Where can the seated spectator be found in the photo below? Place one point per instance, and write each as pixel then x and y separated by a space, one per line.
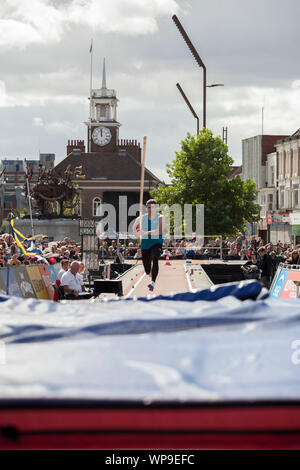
pixel 131 250
pixel 65 264
pixel 72 282
pixel 244 255
pixel 103 250
pixel 83 272
pixel 111 251
pixel 14 260
pixel 138 254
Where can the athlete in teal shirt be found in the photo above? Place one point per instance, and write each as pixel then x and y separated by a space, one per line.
pixel 151 234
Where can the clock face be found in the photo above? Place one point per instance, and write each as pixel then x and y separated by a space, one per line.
pixel 101 136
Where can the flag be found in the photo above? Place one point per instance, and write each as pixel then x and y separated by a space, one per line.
pixel 17 237
pixel 91 47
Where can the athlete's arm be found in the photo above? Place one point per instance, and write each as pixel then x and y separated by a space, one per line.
pixel 137 228
pixel 160 229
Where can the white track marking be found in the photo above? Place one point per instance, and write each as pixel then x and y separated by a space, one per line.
pixel 187 278
pixel 135 285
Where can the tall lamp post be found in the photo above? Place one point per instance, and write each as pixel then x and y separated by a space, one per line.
pixel 189 105
pixel 199 62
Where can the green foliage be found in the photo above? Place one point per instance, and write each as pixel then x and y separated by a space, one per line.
pixel 199 175
pixel 15 214
pixel 24 212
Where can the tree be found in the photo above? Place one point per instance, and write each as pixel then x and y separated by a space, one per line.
pixel 199 175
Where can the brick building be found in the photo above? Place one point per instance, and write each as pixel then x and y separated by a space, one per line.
pixel 12 181
pixel 111 167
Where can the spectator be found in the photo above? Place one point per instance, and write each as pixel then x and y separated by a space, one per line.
pixel 294 258
pixel 266 266
pixel 65 264
pixel 72 282
pixel 251 268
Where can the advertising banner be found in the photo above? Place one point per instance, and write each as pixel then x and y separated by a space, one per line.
pixel 47 281
pixel 37 282
pixel 289 290
pixel 279 283
pixel 53 273
pixel 24 282
pixel 13 286
pixel 284 286
pixel 2 283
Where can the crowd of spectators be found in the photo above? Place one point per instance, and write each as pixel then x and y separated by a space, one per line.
pixel 246 250
pixel 49 252
pixel 227 249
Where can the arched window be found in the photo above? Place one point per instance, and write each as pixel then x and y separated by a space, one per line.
pixel 96 206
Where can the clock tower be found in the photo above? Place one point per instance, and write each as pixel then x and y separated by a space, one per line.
pixel 103 128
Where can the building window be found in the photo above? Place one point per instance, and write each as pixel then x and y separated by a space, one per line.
pixel 296 195
pixel 287 198
pixel 272 176
pixel 96 206
pixel 281 197
pixel 270 202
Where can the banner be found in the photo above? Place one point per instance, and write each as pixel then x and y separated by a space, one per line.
pixel 24 282
pixel 2 284
pixel 13 285
pixel 47 281
pixel 53 273
pixel 37 282
pixel 284 286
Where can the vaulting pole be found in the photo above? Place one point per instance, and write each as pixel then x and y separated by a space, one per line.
pixel 142 180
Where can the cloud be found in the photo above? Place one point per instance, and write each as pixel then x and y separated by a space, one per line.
pixel 24 23
pixel 38 122
pixel 129 17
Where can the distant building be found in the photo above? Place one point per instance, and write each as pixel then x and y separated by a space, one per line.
pixel 255 151
pixel 237 171
pixel 255 156
pixel 285 224
pixel 111 167
pixel 13 179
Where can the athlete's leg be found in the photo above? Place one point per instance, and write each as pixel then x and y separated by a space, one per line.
pixel 146 258
pixel 156 252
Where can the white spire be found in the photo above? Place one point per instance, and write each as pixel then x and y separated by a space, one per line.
pixel 103 76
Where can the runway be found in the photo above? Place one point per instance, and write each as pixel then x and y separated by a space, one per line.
pixel 173 278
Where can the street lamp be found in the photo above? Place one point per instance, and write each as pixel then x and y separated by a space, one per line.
pixel 199 62
pixel 189 105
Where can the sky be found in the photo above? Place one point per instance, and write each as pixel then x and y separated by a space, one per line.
pixel 250 47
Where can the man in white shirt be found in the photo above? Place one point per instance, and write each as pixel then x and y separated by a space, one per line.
pixel 72 282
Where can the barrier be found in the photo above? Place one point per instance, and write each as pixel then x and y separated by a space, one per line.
pixel 2 284
pixel 46 280
pixel 14 288
pixel 24 282
pixel 283 286
pixel 37 282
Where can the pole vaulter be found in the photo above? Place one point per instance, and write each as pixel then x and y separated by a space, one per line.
pixel 149 230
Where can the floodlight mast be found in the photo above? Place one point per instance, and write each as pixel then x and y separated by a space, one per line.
pixel 189 105
pixel 198 60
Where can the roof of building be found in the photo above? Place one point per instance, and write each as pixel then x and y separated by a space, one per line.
pixel 294 136
pixel 237 170
pixel 106 165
